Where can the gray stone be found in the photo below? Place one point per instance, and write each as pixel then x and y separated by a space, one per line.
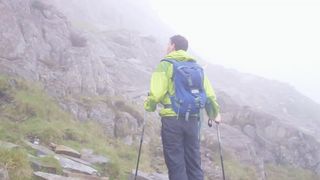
pixel 87 155
pixel 7 145
pixel 61 149
pixel 37 165
pixel 41 150
pixel 75 166
pixel 4 175
pixel 249 131
pixel 82 161
pixel 49 176
pixel 140 176
pixel 81 176
pixel 157 176
pixel 317 170
pixel 145 176
pixel 125 125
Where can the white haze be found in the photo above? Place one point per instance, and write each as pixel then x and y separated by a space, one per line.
pixel 275 39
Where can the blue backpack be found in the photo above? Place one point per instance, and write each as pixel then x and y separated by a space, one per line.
pixel 190 96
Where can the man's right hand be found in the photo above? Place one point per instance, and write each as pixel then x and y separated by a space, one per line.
pixel 216 120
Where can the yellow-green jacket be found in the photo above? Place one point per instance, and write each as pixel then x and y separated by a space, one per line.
pixel 162 87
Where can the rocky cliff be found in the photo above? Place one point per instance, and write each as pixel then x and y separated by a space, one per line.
pixel 94 58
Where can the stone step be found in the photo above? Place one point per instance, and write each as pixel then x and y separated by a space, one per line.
pixel 47 176
pixel 61 149
pixel 146 176
pixel 88 155
pixel 83 176
pixel 39 166
pixel 7 145
pixel 74 166
pixel 41 150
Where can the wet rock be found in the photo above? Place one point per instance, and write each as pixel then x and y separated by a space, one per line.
pixel 83 176
pixel 48 176
pixel 75 166
pixel 82 161
pixel 87 155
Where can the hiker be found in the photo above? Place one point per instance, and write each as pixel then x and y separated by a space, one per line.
pixel 181 122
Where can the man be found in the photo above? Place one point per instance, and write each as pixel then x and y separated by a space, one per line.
pixel 180 135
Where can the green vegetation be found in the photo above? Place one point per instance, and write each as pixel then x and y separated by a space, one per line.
pixel 16 162
pixel 234 169
pixel 238 171
pixel 49 161
pixel 29 112
pixel 26 111
pixel 283 172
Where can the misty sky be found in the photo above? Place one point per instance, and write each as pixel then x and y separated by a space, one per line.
pixel 277 39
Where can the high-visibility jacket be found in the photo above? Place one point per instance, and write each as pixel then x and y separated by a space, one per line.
pixel 162 87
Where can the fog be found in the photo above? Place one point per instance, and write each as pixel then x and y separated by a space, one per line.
pixel 275 39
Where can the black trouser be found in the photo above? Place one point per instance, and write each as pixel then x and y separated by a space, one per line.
pixel 181 147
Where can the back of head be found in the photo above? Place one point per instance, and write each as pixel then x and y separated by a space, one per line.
pixel 180 42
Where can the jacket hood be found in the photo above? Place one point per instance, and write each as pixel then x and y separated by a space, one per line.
pixel 180 55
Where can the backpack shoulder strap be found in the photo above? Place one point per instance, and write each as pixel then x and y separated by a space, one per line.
pixel 172 61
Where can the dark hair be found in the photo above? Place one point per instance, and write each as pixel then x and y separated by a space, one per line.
pixel 180 42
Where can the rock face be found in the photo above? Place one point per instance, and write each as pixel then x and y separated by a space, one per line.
pixel 93 70
pixel 38 43
pixel 4 174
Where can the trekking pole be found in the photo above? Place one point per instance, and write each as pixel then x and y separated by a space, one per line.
pixel 141 140
pixel 221 157
pixel 210 123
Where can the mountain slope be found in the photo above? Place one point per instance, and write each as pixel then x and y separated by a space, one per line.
pixel 100 74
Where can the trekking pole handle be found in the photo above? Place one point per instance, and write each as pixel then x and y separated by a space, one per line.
pixel 210 122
